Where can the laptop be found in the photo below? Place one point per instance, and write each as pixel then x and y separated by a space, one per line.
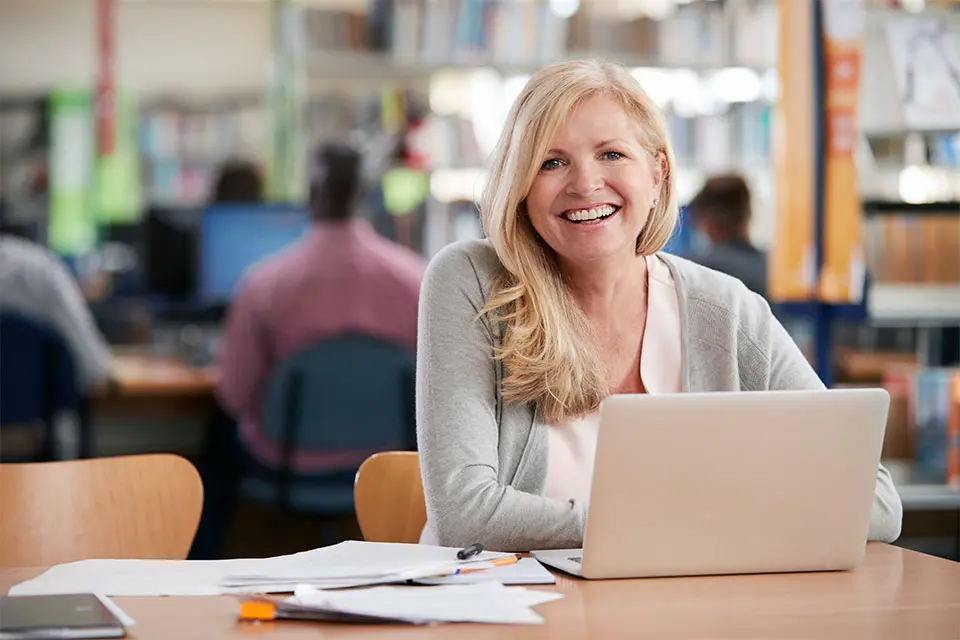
pixel 730 483
pixel 70 616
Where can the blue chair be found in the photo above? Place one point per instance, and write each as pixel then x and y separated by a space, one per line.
pixel 349 393
pixel 38 379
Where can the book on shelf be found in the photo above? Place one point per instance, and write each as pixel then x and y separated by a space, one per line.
pixel 609 35
pixel 330 30
pixel 936 426
pixel 181 149
pixel 475 31
pixel 924 421
pixel 913 248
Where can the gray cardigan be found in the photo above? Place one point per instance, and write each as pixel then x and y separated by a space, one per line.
pixel 484 462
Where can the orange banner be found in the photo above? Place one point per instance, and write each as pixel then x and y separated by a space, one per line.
pixel 792 269
pixel 843 262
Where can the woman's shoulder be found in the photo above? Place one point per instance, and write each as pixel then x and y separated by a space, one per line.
pixel 470 262
pixel 717 295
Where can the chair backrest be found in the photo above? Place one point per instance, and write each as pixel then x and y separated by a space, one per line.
pixel 388 495
pixel 37 374
pixel 349 393
pixel 142 506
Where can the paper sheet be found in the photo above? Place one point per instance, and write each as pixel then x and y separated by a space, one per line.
pixel 487 602
pixel 345 564
pixel 527 571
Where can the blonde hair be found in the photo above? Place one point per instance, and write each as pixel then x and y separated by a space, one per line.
pixel 548 349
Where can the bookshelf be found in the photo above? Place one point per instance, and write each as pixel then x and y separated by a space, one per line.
pixel 910 173
pixel 183 144
pixel 23 149
pixel 710 65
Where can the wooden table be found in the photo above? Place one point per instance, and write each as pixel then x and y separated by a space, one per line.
pixel 145 375
pixel 146 384
pixel 894 594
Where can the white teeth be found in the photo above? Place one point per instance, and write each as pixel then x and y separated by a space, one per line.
pixel 595 213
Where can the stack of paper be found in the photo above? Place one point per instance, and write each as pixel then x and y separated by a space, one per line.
pixel 488 602
pixel 356 564
pixel 347 564
pixel 527 571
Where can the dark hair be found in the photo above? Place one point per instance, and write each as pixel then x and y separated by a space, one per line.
pixel 726 198
pixel 336 178
pixel 238 182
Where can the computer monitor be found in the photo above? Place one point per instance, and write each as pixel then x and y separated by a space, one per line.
pixel 170 252
pixel 235 237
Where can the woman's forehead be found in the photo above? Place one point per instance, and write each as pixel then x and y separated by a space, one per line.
pixel 595 122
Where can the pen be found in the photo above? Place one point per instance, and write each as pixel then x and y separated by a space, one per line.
pixel 498 562
pixel 468 552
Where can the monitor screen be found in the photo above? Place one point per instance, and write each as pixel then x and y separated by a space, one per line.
pixel 234 237
pixel 170 252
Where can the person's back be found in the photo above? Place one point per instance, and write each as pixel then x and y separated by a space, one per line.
pixel 342 277
pixel 37 285
pixel 739 259
pixel 721 212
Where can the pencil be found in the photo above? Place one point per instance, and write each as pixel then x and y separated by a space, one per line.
pixel 497 562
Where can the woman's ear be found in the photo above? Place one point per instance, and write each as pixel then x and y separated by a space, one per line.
pixel 660 169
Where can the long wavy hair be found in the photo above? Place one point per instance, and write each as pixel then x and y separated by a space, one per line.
pixel 548 349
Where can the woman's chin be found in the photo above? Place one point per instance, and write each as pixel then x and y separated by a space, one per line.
pixel 595 252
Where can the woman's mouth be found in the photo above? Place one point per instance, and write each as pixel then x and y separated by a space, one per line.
pixel 591 215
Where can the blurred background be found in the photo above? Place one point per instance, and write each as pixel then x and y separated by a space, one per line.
pixel 160 150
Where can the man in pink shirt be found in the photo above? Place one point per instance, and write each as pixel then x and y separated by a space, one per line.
pixel 340 278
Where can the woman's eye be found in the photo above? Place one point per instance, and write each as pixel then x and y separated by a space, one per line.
pixel 550 164
pixel 612 155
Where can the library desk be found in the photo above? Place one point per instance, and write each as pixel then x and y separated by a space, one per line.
pixel 145 384
pixel 894 594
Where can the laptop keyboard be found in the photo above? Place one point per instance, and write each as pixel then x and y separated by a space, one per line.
pixel 577 559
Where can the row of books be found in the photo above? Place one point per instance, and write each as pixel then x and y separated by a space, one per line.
pixel 924 424
pixel 438 31
pixel 938 149
pixel 182 149
pixel 178 182
pixel 921 248
pixel 536 31
pixel 709 143
pixel 739 138
pixel 175 133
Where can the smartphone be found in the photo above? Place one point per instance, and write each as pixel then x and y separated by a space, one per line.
pixel 80 615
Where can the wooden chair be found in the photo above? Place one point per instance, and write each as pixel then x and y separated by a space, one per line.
pixel 388 495
pixel 142 506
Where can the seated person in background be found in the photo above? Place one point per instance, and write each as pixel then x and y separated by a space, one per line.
pixel 342 277
pixel 238 182
pixel 36 284
pixel 568 301
pixel 721 213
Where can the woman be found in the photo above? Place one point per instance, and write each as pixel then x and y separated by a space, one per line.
pixel 569 301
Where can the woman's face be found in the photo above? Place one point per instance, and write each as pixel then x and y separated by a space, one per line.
pixel 593 192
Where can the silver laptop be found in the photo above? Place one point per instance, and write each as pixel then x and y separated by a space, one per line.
pixel 722 483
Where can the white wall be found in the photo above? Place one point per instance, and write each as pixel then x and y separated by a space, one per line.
pixel 180 48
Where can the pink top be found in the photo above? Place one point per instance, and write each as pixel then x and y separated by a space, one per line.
pixel 571 446
pixel 342 277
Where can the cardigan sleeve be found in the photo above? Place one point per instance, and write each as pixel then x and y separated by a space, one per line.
pixel 458 424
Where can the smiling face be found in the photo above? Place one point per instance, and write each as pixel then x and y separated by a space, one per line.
pixel 596 185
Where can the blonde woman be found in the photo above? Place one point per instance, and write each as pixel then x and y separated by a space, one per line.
pixel 568 301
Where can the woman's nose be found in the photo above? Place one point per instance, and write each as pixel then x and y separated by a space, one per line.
pixel 584 178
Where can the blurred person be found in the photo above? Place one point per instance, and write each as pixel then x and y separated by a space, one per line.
pixel 570 300
pixel 35 283
pixel 721 213
pixel 342 277
pixel 238 182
